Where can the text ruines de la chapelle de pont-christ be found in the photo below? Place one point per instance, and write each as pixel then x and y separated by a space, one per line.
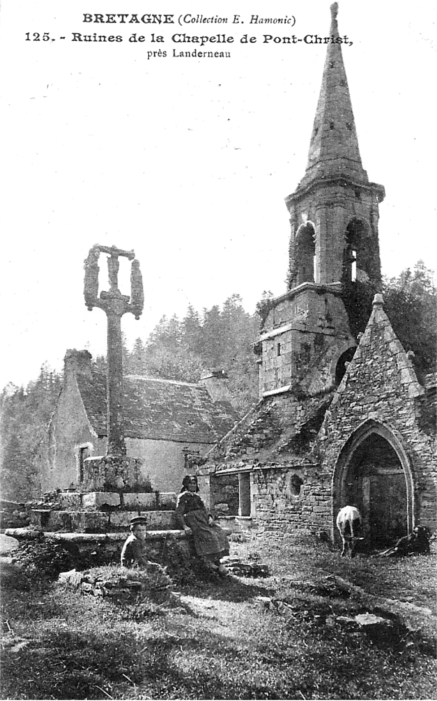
pixel 182 38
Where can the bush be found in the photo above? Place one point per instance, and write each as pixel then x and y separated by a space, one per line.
pixel 45 560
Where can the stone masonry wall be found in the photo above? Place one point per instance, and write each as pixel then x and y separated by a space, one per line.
pixel 330 209
pixel 380 389
pixel 280 512
pixel 68 430
pixel 302 338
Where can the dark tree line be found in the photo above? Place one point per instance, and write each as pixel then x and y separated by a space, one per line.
pixel 183 349
pixel 218 338
pixel 25 413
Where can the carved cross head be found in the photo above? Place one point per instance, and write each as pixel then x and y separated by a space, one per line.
pixel 107 300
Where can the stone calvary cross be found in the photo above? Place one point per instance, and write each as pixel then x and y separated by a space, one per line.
pixel 114 304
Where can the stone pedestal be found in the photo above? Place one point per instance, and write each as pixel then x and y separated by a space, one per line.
pixel 114 474
pixel 111 521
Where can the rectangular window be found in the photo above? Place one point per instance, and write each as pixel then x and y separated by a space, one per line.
pixel 244 494
pixel 83 454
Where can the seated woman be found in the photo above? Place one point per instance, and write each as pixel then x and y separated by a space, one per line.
pixel 210 541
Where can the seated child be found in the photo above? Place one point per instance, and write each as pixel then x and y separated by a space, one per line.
pixel 134 549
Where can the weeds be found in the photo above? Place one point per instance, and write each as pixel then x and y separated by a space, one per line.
pixel 229 645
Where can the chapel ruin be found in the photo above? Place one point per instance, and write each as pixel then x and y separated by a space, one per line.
pixel 342 417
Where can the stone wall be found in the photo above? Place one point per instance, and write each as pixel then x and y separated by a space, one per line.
pixel 286 501
pixel 68 431
pixel 282 510
pixel 13 514
pixel 163 461
pixel 303 336
pixel 380 393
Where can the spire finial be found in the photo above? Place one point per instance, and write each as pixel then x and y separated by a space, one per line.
pixel 334 10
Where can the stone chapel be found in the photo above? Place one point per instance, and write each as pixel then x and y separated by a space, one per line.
pixel 342 417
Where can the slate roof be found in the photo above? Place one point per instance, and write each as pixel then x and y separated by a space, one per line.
pixel 159 409
pixel 279 430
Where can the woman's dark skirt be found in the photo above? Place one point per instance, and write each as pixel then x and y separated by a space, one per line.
pixel 210 541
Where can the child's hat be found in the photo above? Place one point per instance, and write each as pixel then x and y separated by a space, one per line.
pixel 137 520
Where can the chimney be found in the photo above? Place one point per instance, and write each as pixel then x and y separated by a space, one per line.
pixel 76 363
pixel 216 385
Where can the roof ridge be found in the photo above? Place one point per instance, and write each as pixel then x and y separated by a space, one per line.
pixel 163 380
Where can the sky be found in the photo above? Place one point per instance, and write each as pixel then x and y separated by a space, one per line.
pixel 188 160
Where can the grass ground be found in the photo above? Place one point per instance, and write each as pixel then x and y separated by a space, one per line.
pixel 230 644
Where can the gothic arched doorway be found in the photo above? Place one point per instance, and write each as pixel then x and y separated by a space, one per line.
pixel 373 473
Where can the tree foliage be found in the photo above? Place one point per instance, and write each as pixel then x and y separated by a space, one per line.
pixel 25 413
pixel 410 301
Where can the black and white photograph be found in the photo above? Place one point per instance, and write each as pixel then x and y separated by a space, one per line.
pixel 218 380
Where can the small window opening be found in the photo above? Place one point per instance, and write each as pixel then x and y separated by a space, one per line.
pixel 296 483
pixel 83 454
pixel 343 363
pixel 244 494
pixel 279 349
pixel 331 125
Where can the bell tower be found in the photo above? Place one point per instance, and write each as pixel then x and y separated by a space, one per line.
pixel 334 210
pixel 306 336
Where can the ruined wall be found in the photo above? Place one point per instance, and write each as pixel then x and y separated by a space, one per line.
pixel 379 398
pixel 380 393
pixel 284 501
pixel 289 491
pixel 283 509
pixel 303 336
pixel 281 430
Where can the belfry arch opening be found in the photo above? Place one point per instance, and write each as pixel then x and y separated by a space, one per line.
pixel 355 253
pixel 305 254
pixel 373 474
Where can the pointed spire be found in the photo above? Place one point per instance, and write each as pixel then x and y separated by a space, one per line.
pixel 334 144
